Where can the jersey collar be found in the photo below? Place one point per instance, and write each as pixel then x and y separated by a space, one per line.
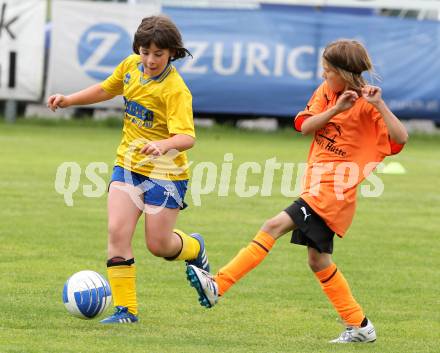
pixel 158 78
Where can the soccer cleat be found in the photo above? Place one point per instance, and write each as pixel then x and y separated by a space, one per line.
pixel 204 284
pixel 201 261
pixel 120 316
pixel 357 334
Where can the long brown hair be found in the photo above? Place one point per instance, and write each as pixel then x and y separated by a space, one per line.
pixel 161 31
pixel 350 59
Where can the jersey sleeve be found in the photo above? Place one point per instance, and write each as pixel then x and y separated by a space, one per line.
pixel 316 104
pixel 395 147
pixel 114 84
pixel 179 112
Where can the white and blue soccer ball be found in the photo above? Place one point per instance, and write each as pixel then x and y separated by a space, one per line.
pixel 86 294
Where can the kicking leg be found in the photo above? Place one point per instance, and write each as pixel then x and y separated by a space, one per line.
pixel 210 287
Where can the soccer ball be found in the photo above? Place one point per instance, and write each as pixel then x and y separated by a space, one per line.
pixel 86 294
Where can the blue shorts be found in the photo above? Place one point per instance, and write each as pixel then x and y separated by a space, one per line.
pixel 157 192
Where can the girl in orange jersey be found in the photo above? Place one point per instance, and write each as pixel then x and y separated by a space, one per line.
pixel 353 131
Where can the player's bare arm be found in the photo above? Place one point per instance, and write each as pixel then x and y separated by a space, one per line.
pixel 396 129
pixel 344 102
pixel 180 142
pixel 90 95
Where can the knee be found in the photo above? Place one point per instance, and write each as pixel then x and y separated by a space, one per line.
pixel 156 247
pixel 318 262
pixel 314 264
pixel 272 226
pixel 117 233
pixel 112 229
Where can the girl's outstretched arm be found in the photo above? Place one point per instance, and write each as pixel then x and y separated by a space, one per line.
pixel 89 95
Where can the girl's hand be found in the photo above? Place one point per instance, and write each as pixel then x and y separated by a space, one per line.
pixel 346 100
pixel 372 94
pixel 155 148
pixel 57 101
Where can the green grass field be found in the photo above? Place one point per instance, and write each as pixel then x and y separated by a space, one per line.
pixel 391 255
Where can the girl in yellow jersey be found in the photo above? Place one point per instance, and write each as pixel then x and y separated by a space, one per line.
pixel 150 174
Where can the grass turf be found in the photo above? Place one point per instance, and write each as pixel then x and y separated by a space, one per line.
pixel 390 255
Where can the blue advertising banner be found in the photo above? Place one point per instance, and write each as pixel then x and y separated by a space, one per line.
pixel 267 61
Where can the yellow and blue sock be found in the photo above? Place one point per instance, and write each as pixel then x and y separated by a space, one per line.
pixel 190 247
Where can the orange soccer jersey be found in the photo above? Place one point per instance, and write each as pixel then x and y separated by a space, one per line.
pixel 341 155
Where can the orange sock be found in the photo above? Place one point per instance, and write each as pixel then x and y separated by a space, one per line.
pixel 248 258
pixel 335 286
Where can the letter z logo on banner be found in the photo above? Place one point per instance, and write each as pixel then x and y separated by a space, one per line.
pixel 101 48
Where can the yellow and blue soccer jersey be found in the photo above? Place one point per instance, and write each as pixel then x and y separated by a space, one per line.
pixel 156 108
